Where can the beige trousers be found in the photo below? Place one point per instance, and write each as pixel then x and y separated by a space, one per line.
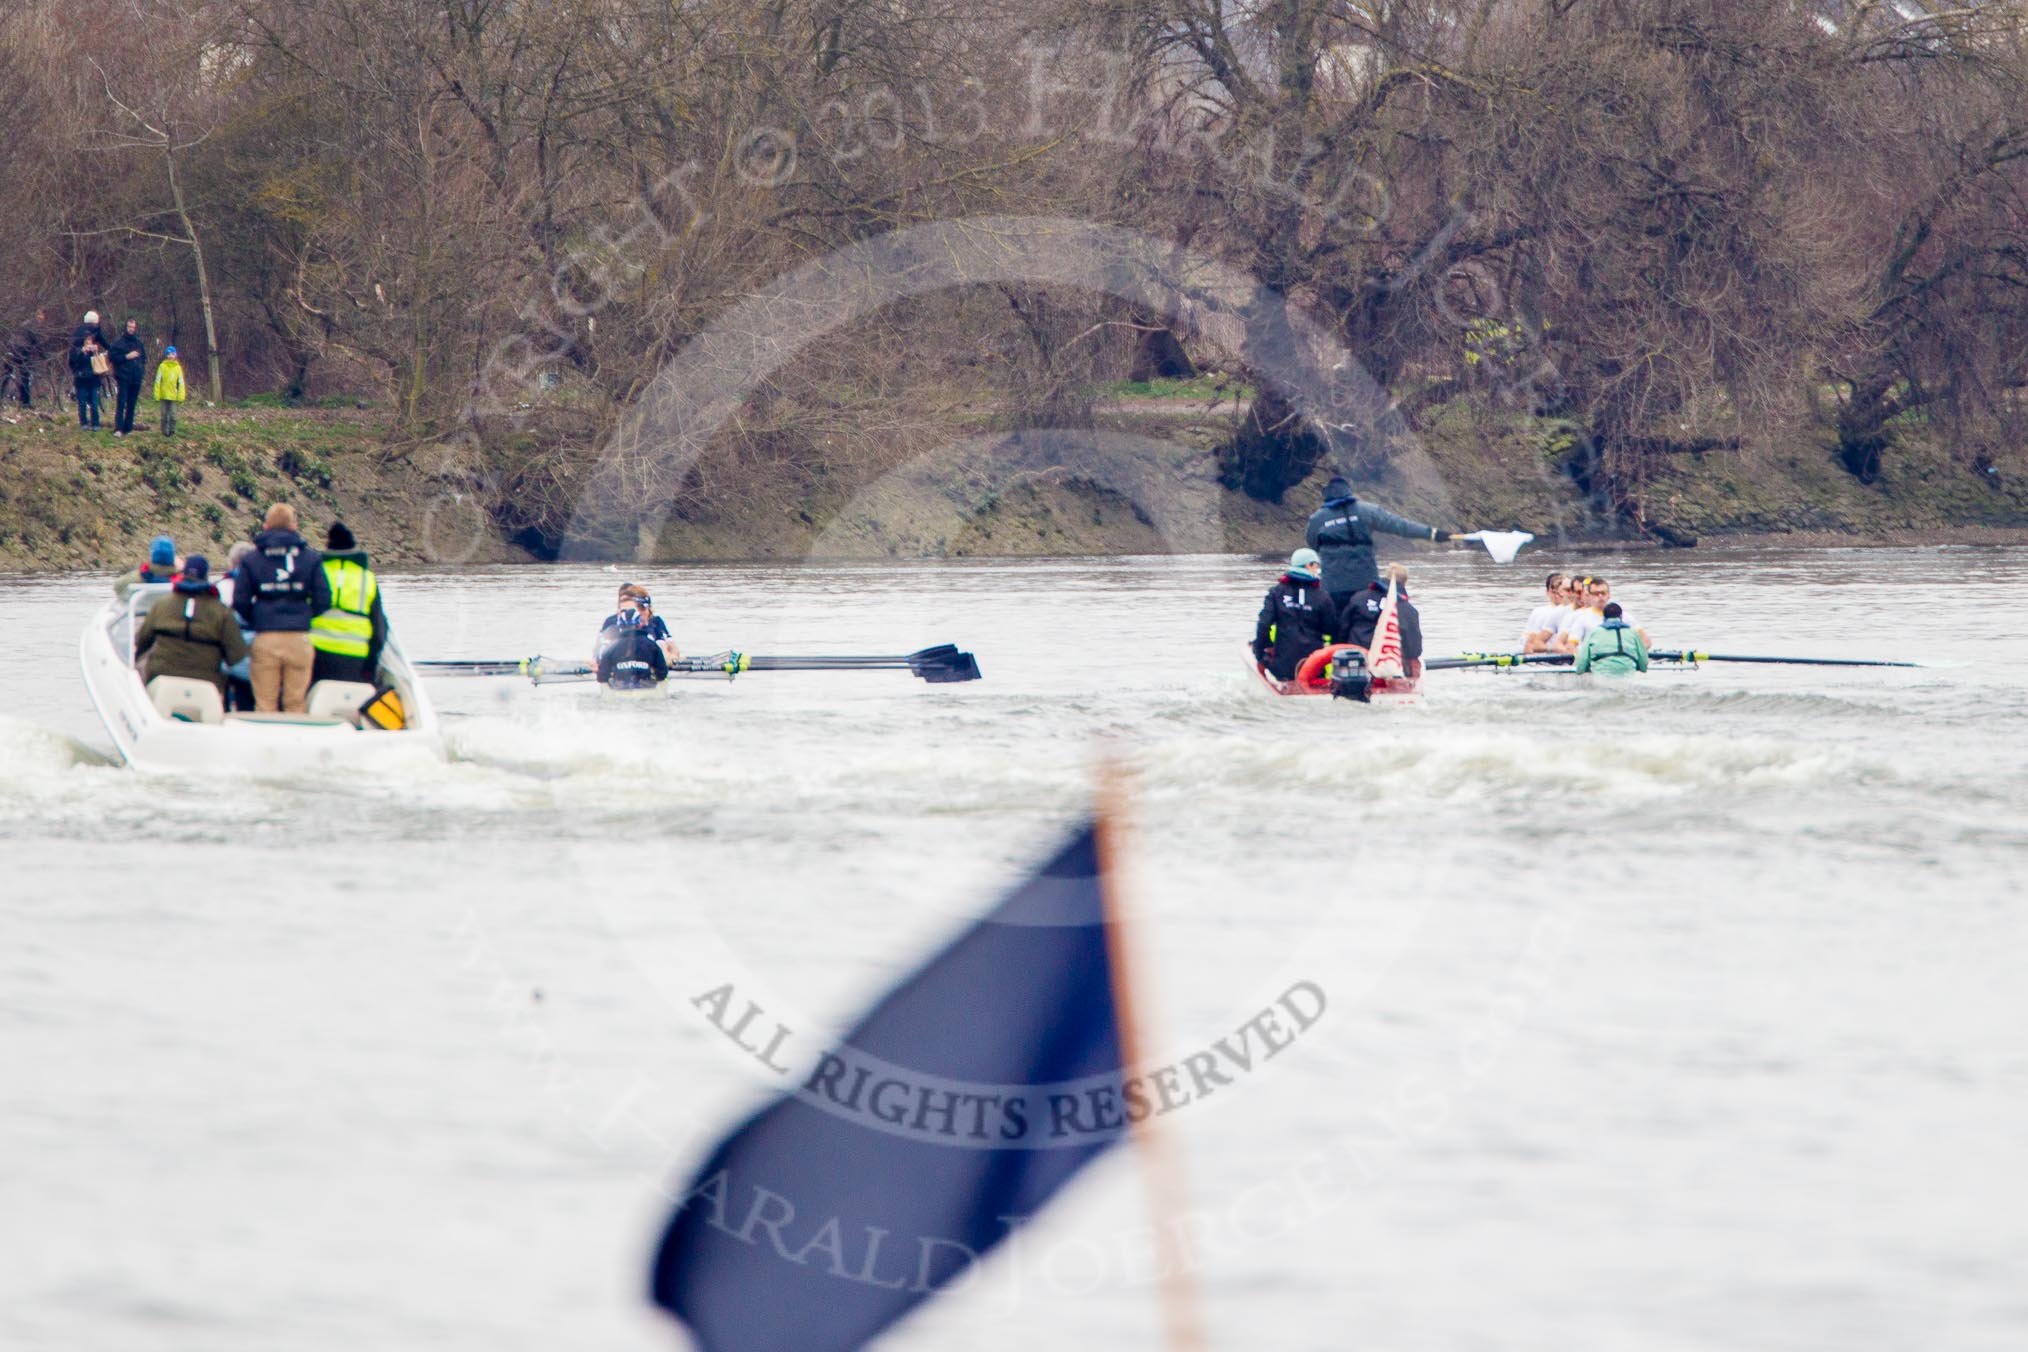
pixel 281 672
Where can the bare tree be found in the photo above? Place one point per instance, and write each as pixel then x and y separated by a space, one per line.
pixel 159 109
pixel 1669 222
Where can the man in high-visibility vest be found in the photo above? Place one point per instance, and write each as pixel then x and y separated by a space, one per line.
pixel 349 636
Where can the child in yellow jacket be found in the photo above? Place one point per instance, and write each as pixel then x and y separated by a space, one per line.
pixel 169 389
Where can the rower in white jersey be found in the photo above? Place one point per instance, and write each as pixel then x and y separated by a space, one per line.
pixel 1591 594
pixel 1547 618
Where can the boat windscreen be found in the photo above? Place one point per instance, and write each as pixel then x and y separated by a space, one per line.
pixel 124 623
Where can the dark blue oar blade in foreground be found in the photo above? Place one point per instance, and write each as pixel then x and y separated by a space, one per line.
pixel 911 1147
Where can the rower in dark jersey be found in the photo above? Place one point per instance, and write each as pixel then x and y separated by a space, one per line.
pixel 635 607
pixel 633 598
pixel 628 658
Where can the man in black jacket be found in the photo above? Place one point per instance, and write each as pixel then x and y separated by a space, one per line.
pixel 277 590
pixel 1296 619
pixel 1342 532
pixel 22 354
pixel 130 368
pixel 86 342
pixel 1362 617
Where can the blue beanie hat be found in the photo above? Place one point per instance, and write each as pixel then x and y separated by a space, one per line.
pixel 162 550
pixel 169 351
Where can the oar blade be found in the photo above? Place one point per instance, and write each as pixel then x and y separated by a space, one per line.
pixel 948 670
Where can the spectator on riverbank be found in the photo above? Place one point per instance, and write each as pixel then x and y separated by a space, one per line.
pixel 87 341
pixel 22 355
pixel 169 391
pixel 130 371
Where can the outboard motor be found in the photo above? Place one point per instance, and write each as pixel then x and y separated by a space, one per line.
pixel 1349 677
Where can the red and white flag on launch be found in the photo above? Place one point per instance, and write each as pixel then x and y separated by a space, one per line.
pixel 1383 655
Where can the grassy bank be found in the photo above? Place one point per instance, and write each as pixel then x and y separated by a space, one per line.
pixel 71 498
pixel 1145 480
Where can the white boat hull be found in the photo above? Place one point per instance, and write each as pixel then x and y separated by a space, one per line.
pixel 262 745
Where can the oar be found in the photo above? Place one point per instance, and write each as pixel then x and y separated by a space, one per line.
pixel 552 670
pixel 541 670
pixel 1497 660
pixel 473 667
pixel 941 665
pixel 1688 655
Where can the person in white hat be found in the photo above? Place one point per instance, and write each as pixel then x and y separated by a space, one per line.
pixel 1296 619
pixel 86 342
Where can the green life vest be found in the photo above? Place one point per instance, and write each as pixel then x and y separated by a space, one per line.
pixel 1620 660
pixel 346 629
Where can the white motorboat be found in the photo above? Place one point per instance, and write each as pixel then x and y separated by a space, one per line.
pixel 176 725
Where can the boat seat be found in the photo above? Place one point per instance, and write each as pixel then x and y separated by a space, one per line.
pixel 185 700
pixel 290 720
pixel 337 699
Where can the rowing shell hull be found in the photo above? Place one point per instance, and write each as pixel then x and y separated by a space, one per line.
pixel 1386 690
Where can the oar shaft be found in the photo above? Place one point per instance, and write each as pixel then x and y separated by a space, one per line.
pixel 733 663
pixel 1463 660
pixel 831 664
pixel 1690 655
pixel 938 665
pixel 469 668
pixel 940 669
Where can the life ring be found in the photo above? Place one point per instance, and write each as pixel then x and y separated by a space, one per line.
pixel 1314 673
